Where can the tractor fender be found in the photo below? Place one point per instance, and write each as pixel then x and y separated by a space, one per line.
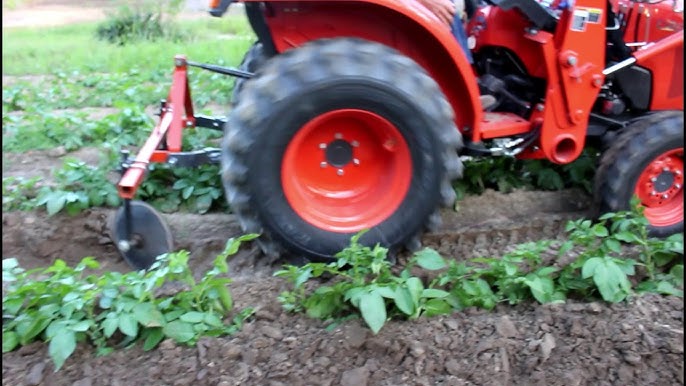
pixel 405 25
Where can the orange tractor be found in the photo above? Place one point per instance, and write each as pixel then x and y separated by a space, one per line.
pixel 354 115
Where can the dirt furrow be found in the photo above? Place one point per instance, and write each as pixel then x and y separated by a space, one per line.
pixel 506 220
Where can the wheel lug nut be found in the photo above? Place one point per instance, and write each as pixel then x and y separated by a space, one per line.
pixel 677 172
pixel 665 169
pixel 323 164
pixel 356 161
pixel 355 143
pixel 322 146
pixel 653 193
pixel 338 136
pixel 653 179
pixel 339 172
pixel 678 186
pixel 665 196
pixel 124 246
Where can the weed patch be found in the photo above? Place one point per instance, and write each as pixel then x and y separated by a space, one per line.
pixel 148 21
pixel 63 306
pixel 361 280
pixel 505 174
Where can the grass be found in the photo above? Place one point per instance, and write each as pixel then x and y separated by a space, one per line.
pixel 66 67
pixel 31 51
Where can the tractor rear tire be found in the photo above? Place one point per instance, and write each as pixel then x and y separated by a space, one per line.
pixel 646 160
pixel 336 137
pixel 252 61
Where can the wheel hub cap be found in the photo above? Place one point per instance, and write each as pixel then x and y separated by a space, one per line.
pixel 346 170
pixel 660 189
pixel 339 153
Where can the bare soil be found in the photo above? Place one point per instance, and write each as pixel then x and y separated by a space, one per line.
pixel 639 342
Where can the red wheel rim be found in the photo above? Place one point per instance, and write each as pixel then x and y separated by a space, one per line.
pixel 346 170
pixel 660 189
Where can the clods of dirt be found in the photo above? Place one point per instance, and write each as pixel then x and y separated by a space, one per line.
pixel 636 343
pixel 639 342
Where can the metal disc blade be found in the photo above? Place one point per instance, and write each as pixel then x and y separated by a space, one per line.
pixel 149 235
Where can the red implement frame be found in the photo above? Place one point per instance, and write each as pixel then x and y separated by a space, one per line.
pixel 165 140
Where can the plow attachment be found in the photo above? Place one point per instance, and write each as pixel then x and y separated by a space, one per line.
pixel 138 231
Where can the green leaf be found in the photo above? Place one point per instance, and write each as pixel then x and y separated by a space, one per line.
pixel 434 293
pixel 599 230
pixel 180 184
pixel 590 266
pixel 55 203
pixel 12 306
pixel 626 265
pixel 320 307
pixel 430 259
pixel 200 328
pixel 233 244
pixel 626 236
pixel 542 288
pixel 213 320
pixel 32 329
pixel 179 331
pixel 88 262
pixel 112 200
pixel 613 245
pixel 153 339
pixel 81 326
pixel 224 297
pixel 109 326
pixel 437 307
pixel 415 286
pixel 173 315
pixel 373 310
pixel 606 216
pixel 611 281
pixel 667 288
pixel 192 317
pixel 403 300
pixel 677 274
pixel 187 191
pixel 110 292
pixel 70 297
pixel 304 276
pixel 128 325
pixel 203 203
pixel 386 292
pixel 61 347
pixel 148 315
pixel 353 295
pixel 10 341
pixel 566 247
pixel 546 271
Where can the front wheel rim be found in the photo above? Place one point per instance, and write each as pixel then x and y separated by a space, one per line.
pixel 660 189
pixel 346 170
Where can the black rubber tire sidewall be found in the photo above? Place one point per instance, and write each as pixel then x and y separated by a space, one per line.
pixel 291 114
pixel 252 61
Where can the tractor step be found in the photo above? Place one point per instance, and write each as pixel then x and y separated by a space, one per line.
pixel 498 125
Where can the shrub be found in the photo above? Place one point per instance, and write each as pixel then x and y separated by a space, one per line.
pixel 143 21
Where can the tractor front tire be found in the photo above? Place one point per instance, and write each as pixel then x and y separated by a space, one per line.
pixel 646 160
pixel 336 137
pixel 252 61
